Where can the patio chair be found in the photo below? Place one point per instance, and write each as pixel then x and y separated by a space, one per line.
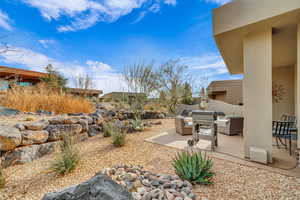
pixel 184 123
pixel 231 126
pixel 294 129
pixel 282 134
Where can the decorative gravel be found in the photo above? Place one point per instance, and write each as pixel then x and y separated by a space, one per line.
pixel 232 181
pixel 146 185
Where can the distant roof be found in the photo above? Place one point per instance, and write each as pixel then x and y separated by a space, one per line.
pixel 85 91
pixel 223 85
pixel 8 71
pixel 221 82
pixel 121 93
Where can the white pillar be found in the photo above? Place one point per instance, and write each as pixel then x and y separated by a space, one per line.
pixel 257 92
pixel 298 84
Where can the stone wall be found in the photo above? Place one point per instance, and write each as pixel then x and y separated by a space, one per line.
pixel 26 142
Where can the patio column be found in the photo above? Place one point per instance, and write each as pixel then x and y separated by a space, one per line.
pixel 298 84
pixel 257 92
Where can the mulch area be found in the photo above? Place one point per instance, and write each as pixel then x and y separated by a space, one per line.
pixel 232 181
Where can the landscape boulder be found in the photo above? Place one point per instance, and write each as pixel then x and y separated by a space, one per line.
pixel 8 111
pixel 27 154
pixel 38 125
pixel 99 187
pixel 34 137
pixel 10 137
pixel 94 129
pixel 56 132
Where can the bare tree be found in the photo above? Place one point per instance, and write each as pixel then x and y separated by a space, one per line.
pixel 141 81
pixel 172 77
pixel 84 81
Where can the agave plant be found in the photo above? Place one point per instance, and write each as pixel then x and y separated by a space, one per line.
pixel 138 124
pixel 194 167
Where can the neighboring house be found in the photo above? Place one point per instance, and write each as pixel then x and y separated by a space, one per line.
pixel 85 92
pixel 121 96
pixel 261 40
pixel 19 76
pixel 24 77
pixel 229 91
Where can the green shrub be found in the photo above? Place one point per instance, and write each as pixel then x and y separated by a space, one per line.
pixel 108 129
pixel 138 125
pixel 193 167
pixel 118 137
pixel 2 178
pixel 68 158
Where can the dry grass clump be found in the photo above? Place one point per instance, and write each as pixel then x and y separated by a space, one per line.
pixel 40 97
pixel 118 137
pixel 2 178
pixel 68 159
pixel 108 129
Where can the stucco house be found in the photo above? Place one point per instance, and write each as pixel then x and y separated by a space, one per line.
pixel 261 40
pixel 29 78
pixel 228 91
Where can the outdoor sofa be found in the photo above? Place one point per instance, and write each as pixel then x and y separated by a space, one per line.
pixel 231 125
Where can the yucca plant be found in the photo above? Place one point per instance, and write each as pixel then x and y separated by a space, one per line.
pixel 68 159
pixel 2 178
pixel 108 129
pixel 194 167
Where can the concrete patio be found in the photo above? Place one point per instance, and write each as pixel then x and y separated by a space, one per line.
pixel 231 148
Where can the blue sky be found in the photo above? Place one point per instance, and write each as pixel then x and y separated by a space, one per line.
pixel 100 37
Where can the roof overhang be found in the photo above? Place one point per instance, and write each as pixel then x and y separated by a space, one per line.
pixel 233 21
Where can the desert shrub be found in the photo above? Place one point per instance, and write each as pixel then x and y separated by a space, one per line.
pixel 194 167
pixel 41 97
pixel 68 159
pixel 138 125
pixel 2 178
pixel 118 137
pixel 108 129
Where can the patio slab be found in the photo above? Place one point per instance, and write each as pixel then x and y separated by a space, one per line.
pixel 230 148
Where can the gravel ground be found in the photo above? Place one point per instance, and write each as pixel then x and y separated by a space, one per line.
pixel 232 181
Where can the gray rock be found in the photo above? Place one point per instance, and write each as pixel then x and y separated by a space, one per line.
pixel 82 137
pixel 21 127
pixel 88 118
pixel 8 111
pixel 99 187
pixel 72 120
pixel 44 112
pixel 34 137
pixel 38 125
pixel 94 129
pixel 57 120
pixel 56 132
pixel 85 124
pixel 27 154
pixel 10 137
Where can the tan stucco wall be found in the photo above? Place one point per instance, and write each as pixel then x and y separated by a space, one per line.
pixel 284 76
pixel 298 82
pixel 240 13
pixel 235 95
pixel 258 91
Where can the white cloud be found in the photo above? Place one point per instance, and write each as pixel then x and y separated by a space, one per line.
pixel 210 65
pixel 5 21
pixel 171 2
pixel 220 2
pixel 104 76
pixel 47 42
pixel 87 13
